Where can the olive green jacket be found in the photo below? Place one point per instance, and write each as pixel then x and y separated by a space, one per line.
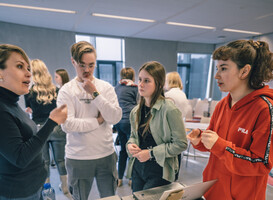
pixel 169 133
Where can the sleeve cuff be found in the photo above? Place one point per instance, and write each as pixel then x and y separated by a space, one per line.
pixel 219 147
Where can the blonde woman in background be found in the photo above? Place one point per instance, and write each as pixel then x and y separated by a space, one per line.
pixel 40 101
pixel 174 88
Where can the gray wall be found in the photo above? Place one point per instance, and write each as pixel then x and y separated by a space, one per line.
pixel 139 51
pixel 186 47
pixel 53 47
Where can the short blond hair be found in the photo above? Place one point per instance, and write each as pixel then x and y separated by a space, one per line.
pixel 80 48
pixel 174 81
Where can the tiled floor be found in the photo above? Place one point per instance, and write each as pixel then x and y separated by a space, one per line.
pixel 188 175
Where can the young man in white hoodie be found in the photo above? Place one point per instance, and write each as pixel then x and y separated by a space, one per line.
pixel 92 108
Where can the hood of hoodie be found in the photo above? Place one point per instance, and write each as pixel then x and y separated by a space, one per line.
pixel 264 91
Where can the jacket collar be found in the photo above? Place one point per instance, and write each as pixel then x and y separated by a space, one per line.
pixel 158 104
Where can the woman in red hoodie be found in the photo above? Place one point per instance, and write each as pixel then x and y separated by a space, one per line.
pixel 239 136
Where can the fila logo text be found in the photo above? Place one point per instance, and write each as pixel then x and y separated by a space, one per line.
pixel 242 130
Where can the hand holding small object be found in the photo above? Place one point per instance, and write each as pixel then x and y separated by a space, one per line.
pixel 194 136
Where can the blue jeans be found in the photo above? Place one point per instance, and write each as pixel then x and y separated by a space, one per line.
pixel 124 131
pixel 35 196
pixel 56 141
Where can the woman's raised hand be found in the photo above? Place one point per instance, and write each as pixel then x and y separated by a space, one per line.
pixel 59 115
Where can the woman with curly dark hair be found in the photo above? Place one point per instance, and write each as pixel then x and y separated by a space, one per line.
pixel 239 136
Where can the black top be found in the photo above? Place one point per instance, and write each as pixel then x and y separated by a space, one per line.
pixel 146 140
pixel 40 112
pixel 22 171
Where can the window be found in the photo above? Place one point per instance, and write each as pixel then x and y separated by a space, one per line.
pixel 110 56
pixel 196 71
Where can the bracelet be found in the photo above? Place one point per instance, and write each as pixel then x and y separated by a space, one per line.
pixel 151 152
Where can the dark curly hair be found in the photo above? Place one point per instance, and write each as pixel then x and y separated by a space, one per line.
pixel 256 54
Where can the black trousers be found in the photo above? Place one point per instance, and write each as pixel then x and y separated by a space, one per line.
pixel 147 175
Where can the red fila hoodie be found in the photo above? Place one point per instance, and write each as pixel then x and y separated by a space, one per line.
pixel 242 157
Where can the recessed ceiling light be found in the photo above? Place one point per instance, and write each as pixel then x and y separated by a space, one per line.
pixel 190 25
pixel 265 16
pixel 37 8
pixel 122 17
pixel 241 31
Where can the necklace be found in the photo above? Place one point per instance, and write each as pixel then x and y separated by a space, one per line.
pixel 146 113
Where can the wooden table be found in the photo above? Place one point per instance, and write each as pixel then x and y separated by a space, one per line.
pixel 194 125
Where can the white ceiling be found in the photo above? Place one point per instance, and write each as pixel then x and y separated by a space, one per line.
pixel 248 15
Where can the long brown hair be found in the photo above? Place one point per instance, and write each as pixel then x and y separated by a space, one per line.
pixel 64 75
pixel 157 71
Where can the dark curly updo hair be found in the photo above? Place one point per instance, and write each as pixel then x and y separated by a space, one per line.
pixel 256 54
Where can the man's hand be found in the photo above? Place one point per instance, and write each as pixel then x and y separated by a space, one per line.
pixel 88 86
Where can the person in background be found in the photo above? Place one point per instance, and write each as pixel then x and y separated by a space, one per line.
pixel 92 110
pixel 61 77
pixel 157 132
pixel 239 135
pixel 22 168
pixel 126 91
pixel 173 87
pixel 174 91
pixel 39 102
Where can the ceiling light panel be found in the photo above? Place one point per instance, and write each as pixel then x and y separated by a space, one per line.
pixel 241 31
pixel 37 8
pixel 190 25
pixel 122 17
